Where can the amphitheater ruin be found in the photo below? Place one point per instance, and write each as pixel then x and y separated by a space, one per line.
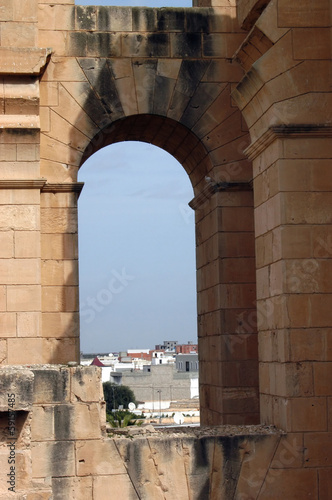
pixel 239 92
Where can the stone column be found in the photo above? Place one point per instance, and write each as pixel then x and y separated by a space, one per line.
pixel 59 270
pixel 293 218
pixel 20 186
pixel 227 333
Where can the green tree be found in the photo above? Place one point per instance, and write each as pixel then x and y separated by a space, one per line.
pixel 123 418
pixel 116 395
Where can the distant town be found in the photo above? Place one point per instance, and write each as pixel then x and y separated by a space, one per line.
pixel 163 379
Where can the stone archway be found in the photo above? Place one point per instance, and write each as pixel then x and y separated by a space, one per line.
pixel 198 67
pixel 162 76
pixel 172 89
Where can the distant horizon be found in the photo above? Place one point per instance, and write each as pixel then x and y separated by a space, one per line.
pixel 138 349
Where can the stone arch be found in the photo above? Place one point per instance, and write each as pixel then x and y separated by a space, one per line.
pixel 132 72
pixel 160 131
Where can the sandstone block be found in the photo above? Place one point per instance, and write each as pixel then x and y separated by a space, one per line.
pixel 75 488
pixel 42 424
pixel 27 244
pixel 23 298
pixel 13 196
pixel 27 152
pixel 143 19
pixel 26 350
pixel 308 344
pixel 289 452
pixel 58 220
pixel 325 482
pixel 25 12
pixel 63 69
pixel 18 34
pixel 8 153
pixel 18 381
pixel 60 298
pixel 298 14
pixel 120 485
pixel 53 459
pixel 240 374
pixel 98 457
pixel 294 483
pixel 8 325
pixel 114 19
pixel 323 378
pixel 3 298
pixel 60 324
pixel 222 45
pixel 6 244
pixel 6 10
pixel 51 385
pixel 55 40
pixel 138 45
pixel 22 470
pixel 258 455
pixel 86 384
pixel 307 414
pixel 49 94
pixel 311 43
pixel 20 271
pixel 19 217
pixel 46 16
pixel 40 495
pixel 44 115
pixel 63 272
pixel 58 200
pixel 62 132
pixel 28 324
pixel 18 170
pixel 35 350
pixel 65 154
pixel 22 60
pixel 184 45
pixel 59 246
pixel 85 421
pixel 318 452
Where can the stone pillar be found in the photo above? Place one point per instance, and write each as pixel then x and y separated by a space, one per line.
pixel 293 219
pixel 59 270
pixel 227 333
pixel 20 186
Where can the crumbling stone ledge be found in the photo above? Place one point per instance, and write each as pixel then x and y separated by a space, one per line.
pixel 224 462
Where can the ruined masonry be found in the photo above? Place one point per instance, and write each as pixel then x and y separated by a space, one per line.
pixel 239 92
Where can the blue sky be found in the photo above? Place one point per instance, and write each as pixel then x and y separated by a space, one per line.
pixel 137 249
pixel 136 243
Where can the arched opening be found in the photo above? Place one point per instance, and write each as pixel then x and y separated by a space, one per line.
pixel 137 250
pixel 225 266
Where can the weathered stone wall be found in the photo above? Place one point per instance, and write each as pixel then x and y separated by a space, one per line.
pixel 240 93
pixel 159 75
pixel 61 449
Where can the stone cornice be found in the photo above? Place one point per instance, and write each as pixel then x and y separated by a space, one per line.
pixel 22 183
pixel 23 61
pixel 63 187
pixel 213 187
pixel 19 122
pixel 286 131
pixel 203 196
pixel 43 185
